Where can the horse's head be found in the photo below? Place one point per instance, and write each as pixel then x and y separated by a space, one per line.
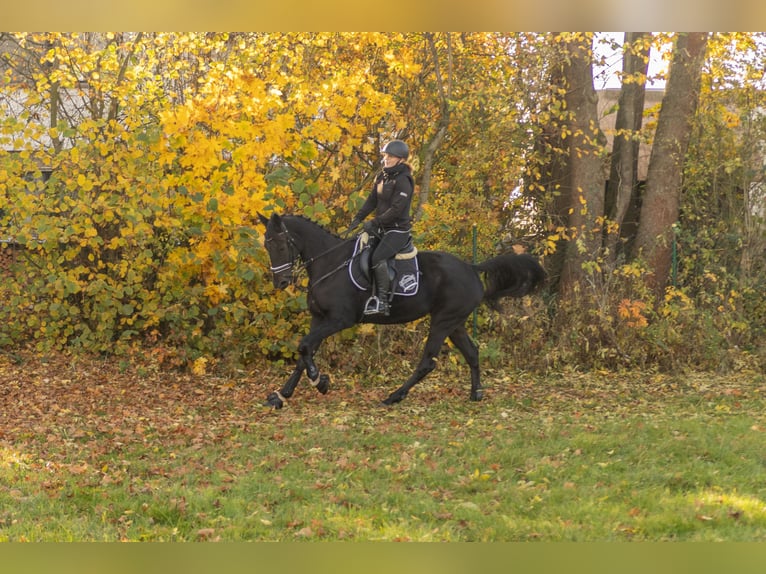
pixel 282 250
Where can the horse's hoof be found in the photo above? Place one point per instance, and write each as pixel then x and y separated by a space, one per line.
pixel 274 401
pixel 477 396
pixel 391 400
pixel 324 384
pixel 312 372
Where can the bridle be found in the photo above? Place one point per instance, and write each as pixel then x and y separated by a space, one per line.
pixel 296 260
pixel 293 251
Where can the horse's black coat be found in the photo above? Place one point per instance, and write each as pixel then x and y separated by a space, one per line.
pixel 450 290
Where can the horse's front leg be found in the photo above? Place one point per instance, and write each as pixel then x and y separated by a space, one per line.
pixel 320 382
pixel 320 330
pixel 308 346
pixel 277 399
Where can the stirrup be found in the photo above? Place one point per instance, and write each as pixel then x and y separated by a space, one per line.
pixel 376 305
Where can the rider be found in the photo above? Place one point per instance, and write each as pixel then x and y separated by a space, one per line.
pixel 390 198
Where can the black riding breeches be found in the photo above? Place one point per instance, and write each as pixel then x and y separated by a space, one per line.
pixel 390 244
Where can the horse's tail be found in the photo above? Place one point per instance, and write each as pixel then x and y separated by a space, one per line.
pixel 510 275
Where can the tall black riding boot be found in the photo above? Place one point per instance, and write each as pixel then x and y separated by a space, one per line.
pixel 382 287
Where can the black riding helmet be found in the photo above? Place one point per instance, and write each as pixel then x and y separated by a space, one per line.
pixel 397 148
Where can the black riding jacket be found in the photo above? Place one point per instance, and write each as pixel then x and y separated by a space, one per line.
pixel 390 198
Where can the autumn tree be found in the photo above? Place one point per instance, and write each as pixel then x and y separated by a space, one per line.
pixel 585 143
pixel 444 82
pixel 465 113
pixel 661 200
pixel 720 235
pixel 133 164
pixel 164 148
pixel 89 275
pixel 726 156
pixel 622 184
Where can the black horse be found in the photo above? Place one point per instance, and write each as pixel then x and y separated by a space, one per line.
pixel 450 289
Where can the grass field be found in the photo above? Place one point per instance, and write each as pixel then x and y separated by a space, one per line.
pixel 97 451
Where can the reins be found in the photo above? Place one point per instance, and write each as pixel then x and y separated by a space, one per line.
pixel 304 264
pixel 333 272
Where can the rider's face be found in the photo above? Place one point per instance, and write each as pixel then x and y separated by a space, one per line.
pixel 390 160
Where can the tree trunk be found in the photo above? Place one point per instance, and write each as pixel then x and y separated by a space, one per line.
pixel 554 171
pixel 428 164
pixel 586 142
pixel 54 95
pixel 621 188
pixel 445 94
pixel 659 211
pixel 114 105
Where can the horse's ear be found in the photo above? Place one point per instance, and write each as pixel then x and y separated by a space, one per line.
pixel 263 218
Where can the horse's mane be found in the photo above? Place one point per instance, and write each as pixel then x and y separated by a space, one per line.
pixel 312 222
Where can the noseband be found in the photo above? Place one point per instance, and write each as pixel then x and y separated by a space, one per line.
pixel 292 249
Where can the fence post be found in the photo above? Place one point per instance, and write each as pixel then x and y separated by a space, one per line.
pixel 674 256
pixel 476 310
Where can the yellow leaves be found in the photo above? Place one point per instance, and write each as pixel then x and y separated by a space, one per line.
pixel 481 476
pixel 84 182
pixel 631 270
pixel 402 66
pixel 366 329
pixel 216 292
pixel 199 366
pixel 560 234
pixel 176 120
pixel 131 201
pixel 675 303
pixel 632 313
pixel 551 243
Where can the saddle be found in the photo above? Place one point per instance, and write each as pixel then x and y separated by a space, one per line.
pixel 402 269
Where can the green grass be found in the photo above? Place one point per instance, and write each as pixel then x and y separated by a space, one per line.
pixel 563 458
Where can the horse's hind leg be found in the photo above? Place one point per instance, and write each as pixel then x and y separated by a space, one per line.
pixel 426 365
pixel 470 352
